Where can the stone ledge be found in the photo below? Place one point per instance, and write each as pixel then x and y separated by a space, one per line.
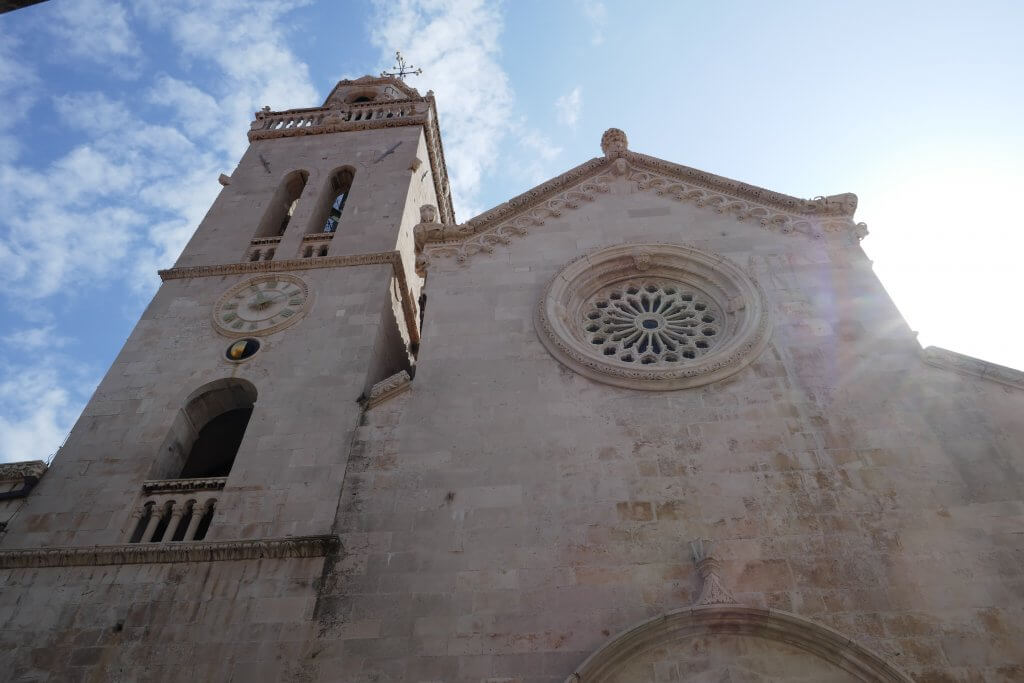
pixel 183 485
pixel 158 553
pixel 968 365
pixel 385 389
pixel 368 259
pixel 18 471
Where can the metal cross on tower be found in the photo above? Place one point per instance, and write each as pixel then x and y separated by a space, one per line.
pixel 401 68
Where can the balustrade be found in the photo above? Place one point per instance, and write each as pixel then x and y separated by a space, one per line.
pixel 316 244
pixel 371 111
pixel 262 249
pixel 175 510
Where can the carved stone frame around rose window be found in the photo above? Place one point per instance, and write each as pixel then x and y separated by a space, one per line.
pixel 746 331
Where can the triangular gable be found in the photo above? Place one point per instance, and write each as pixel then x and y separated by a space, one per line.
pixel 772 210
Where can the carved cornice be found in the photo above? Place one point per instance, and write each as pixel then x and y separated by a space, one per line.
pixel 19 471
pixel 968 365
pixel 159 553
pixel 385 389
pixel 368 259
pixel 281 266
pixel 183 485
pixel 816 218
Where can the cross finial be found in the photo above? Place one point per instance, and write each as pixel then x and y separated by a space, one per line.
pixel 401 68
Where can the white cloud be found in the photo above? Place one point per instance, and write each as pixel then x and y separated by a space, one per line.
pixel 569 107
pixel 597 16
pixel 459 62
pixel 540 153
pixel 36 413
pixel 35 338
pixel 246 41
pixel 97 31
pixel 18 85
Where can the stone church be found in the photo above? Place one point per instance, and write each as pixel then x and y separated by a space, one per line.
pixel 639 423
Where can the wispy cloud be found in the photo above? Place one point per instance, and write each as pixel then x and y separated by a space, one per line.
pixel 35 338
pixel 597 16
pixel 460 63
pixel 36 412
pixel 569 107
pixel 96 31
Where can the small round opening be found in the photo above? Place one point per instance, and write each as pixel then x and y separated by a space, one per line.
pixel 650 324
pixel 242 349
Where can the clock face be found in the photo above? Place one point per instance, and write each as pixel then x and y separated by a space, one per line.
pixel 261 305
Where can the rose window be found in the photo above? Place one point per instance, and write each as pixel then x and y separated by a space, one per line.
pixel 653 316
pixel 652 322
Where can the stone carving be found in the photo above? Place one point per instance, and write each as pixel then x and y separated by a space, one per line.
pixel 183 485
pixel 156 553
pixel 428 213
pixel 967 365
pixel 713 590
pixel 614 142
pixel 652 321
pixel 563 324
pixel 224 180
pixel 19 471
pixel 385 389
pixel 371 258
pixel 642 260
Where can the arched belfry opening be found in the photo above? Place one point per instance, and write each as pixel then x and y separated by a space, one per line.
pixel 283 205
pixel 331 205
pixel 208 431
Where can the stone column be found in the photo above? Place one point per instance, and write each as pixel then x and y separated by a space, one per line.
pixel 198 511
pixel 172 526
pixel 154 520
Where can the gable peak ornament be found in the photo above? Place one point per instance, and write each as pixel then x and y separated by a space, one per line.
pixel 614 143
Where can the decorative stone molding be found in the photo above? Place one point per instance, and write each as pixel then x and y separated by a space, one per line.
pixel 183 485
pixel 710 622
pixel 281 266
pixel 817 218
pixel 713 590
pixel 159 553
pixel 397 383
pixel 19 471
pixel 968 365
pixel 564 318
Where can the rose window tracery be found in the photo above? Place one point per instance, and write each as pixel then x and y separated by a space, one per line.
pixel 652 322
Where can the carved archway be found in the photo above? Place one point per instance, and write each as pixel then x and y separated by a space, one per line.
pixel 682 646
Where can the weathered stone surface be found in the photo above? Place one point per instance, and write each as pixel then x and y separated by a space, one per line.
pixel 508 516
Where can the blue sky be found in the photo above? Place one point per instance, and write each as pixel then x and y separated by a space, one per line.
pixel 119 117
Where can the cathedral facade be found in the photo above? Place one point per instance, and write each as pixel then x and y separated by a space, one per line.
pixel 639 423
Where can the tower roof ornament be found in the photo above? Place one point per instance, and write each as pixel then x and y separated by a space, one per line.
pixel 401 68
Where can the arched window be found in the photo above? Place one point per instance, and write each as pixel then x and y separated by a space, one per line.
pixel 208 430
pixel 283 205
pixel 332 201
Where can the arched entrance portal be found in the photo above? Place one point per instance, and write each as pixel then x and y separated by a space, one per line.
pixel 732 643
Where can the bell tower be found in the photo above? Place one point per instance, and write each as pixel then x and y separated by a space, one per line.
pixel 229 412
